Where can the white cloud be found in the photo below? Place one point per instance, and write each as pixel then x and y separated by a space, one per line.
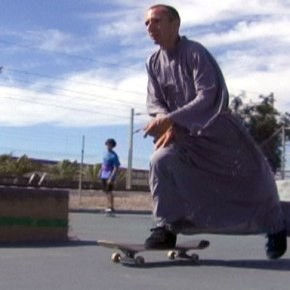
pixel 263 83
pixel 19 107
pixel 123 26
pixel 253 47
pixel 54 40
pixel 273 29
pixel 259 72
pixel 206 12
pixel 80 100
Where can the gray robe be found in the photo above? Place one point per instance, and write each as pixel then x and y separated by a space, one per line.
pixel 213 176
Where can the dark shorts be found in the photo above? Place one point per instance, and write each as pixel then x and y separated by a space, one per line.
pixel 107 187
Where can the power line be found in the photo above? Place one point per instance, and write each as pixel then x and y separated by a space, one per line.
pixel 86 59
pixel 91 98
pixel 101 86
pixel 128 103
pixel 124 103
pixel 62 107
pixel 76 82
pixel 270 137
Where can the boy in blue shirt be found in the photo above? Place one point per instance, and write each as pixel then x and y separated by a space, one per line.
pixel 108 173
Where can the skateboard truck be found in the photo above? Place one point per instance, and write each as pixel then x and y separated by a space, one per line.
pixel 127 259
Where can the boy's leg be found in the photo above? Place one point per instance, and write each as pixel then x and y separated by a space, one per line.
pixel 110 195
pixel 105 187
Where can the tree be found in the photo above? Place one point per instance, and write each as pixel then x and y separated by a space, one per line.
pixel 5 163
pixel 65 170
pixel 264 123
pixel 92 172
pixel 17 167
pixel 121 179
pixel 10 165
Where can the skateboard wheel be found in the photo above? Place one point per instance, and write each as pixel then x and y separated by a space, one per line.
pixel 139 260
pixel 194 257
pixel 116 258
pixel 171 255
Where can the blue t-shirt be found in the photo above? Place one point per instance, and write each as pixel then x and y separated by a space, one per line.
pixel 110 161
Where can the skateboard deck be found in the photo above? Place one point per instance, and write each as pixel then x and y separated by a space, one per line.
pixel 126 252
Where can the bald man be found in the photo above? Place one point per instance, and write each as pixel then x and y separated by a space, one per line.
pixel 206 173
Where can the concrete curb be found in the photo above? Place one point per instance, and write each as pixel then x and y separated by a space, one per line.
pixel 101 211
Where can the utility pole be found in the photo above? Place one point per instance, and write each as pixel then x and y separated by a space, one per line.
pixel 283 153
pixel 130 152
pixel 81 169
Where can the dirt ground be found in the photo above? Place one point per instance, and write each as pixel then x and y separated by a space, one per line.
pixel 124 200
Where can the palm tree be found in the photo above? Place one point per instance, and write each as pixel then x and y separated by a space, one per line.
pixel 5 163
pixel 65 170
pixel 23 165
pixel 92 173
pixel 17 167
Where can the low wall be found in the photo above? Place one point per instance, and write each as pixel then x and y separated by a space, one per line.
pixel 33 215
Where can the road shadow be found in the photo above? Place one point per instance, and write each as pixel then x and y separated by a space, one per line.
pixel 65 244
pixel 274 265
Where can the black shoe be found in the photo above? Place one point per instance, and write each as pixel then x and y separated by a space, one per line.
pixel 277 244
pixel 160 238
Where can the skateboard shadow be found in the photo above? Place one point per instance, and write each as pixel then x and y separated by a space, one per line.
pixel 274 265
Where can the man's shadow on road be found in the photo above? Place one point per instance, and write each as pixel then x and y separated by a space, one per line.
pixel 274 265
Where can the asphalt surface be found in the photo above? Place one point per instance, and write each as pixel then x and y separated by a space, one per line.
pixel 231 262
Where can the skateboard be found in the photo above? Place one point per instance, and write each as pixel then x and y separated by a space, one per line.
pixel 126 252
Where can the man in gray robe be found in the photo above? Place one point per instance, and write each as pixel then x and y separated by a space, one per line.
pixel 206 174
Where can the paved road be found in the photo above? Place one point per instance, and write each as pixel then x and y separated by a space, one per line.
pixel 229 263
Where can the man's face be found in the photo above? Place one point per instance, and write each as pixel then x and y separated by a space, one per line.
pixel 160 27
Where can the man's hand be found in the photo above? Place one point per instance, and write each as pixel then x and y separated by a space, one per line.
pixel 165 139
pixel 157 127
pixel 162 130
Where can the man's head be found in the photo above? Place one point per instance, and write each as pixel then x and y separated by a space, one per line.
pixel 110 143
pixel 162 22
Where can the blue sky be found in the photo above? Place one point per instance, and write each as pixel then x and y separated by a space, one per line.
pixel 76 67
